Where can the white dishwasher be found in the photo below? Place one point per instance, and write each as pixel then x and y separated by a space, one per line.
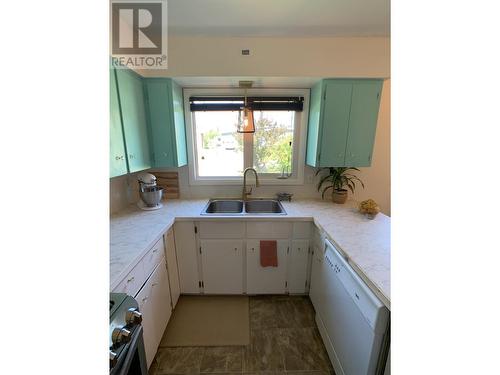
pixel 351 319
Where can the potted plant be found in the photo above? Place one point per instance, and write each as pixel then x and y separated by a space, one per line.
pixel 339 179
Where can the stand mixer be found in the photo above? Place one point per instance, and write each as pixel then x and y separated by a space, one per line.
pixel 149 192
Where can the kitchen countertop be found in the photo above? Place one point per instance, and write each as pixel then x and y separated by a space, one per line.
pixel 365 243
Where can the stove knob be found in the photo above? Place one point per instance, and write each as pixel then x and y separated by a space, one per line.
pixel 113 359
pixel 133 316
pixel 120 336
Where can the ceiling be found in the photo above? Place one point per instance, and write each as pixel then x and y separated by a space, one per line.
pixel 306 18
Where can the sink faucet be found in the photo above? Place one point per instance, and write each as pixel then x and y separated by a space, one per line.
pixel 246 193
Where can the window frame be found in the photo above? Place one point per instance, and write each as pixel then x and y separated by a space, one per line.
pixel 298 151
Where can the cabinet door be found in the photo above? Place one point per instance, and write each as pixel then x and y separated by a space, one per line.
pixel 317 283
pixel 222 266
pixel 161 121
pixel 363 122
pixel 160 301
pixel 179 124
pixel 166 117
pixel 297 270
pixel 173 273
pixel 266 280
pixel 187 257
pixel 335 122
pixel 117 161
pixel 131 92
pixel 143 298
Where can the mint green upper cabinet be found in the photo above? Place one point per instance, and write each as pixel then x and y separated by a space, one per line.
pixel 166 119
pixel 362 123
pixel 131 93
pixel 117 161
pixel 342 121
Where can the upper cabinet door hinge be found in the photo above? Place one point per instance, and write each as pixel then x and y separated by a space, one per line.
pixel 200 249
pixel 288 250
pixel 195 229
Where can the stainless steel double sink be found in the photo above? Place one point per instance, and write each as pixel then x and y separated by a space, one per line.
pixel 240 207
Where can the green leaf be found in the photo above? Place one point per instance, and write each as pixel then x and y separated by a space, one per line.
pixel 322 181
pixel 325 190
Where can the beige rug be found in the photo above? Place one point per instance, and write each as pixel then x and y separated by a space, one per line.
pixel 209 321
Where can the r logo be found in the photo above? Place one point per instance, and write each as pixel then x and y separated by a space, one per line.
pixel 137 28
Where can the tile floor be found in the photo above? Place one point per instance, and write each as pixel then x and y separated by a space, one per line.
pixel 283 338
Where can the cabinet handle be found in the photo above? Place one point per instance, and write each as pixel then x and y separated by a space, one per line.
pixel 131 279
pixel 235 249
pixel 119 157
pixel 145 299
pixel 155 250
pixel 131 156
pixel 154 284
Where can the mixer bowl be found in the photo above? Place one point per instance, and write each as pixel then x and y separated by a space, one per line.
pixel 151 196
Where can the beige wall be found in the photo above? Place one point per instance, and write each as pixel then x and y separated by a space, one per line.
pixel 281 57
pixel 377 178
pixel 277 56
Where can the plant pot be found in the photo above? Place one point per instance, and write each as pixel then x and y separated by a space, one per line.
pixel 339 196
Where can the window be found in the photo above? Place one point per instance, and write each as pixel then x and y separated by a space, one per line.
pixel 220 154
pixel 219 150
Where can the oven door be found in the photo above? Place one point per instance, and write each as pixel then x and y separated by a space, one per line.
pixel 133 362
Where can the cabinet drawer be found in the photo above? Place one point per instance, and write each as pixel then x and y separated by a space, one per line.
pixel 226 229
pixel 269 229
pixel 302 229
pixel 153 257
pixel 132 282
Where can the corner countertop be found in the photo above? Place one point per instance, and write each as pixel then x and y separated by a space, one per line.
pixel 365 243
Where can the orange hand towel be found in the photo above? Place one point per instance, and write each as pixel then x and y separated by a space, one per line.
pixel 268 254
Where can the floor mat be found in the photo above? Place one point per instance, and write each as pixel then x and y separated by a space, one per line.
pixel 209 321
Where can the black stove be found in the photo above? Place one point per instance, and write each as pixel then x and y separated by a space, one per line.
pixel 126 345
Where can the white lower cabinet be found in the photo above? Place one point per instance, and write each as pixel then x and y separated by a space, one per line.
pixel 161 301
pixel 173 273
pixel 143 298
pixel 297 267
pixel 317 278
pixel 187 257
pixel 154 305
pixel 266 280
pixel 222 266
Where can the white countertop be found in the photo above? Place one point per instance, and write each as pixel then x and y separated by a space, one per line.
pixel 365 243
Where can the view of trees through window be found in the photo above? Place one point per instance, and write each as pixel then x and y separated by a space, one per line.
pixel 273 140
pixel 221 149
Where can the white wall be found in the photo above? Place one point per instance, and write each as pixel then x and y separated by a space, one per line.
pixel 277 56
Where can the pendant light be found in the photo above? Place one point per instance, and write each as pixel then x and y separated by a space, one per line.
pixel 245 117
